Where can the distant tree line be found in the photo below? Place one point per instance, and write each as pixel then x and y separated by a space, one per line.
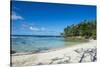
pixel 86 29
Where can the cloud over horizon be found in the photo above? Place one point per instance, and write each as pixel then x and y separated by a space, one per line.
pixel 37 29
pixel 33 27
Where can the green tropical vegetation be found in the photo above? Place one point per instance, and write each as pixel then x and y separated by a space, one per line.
pixel 85 29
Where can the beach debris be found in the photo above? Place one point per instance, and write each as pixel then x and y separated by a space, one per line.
pixel 79 50
pixel 89 55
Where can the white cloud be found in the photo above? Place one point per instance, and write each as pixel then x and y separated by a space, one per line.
pixel 34 28
pixel 16 17
pixel 37 29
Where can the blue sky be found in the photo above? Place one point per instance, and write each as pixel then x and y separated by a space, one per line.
pixel 35 18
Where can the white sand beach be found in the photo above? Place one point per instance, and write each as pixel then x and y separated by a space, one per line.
pixel 85 52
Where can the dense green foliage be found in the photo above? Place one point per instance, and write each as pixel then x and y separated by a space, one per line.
pixel 86 29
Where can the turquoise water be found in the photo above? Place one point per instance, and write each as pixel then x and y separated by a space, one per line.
pixel 37 44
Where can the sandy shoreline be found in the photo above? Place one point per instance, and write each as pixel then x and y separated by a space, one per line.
pixel 71 54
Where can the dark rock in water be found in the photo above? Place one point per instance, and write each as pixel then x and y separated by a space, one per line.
pixel 36 51
pixel 23 42
pixel 12 51
pixel 40 50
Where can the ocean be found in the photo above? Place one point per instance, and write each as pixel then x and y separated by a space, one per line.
pixel 34 44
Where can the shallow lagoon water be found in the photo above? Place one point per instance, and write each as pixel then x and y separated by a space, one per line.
pixel 22 44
